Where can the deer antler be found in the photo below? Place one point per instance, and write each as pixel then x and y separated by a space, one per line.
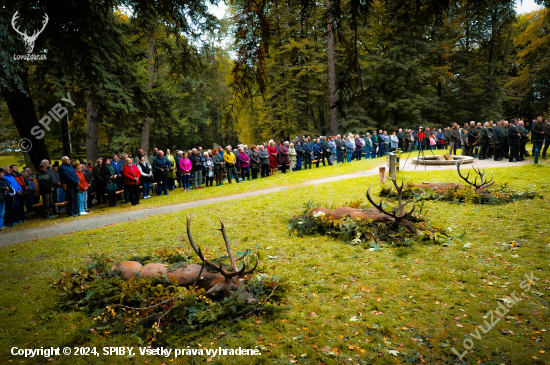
pixel 15 16
pixel 400 207
pixel 219 268
pixel 484 184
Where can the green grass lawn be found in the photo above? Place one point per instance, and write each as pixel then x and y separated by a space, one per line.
pixel 344 302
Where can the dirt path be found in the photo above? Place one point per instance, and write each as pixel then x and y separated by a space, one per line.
pixel 13 237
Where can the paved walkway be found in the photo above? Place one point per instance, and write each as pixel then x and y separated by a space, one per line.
pixel 71 226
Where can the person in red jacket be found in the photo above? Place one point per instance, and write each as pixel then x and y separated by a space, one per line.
pixel 82 188
pixel 131 179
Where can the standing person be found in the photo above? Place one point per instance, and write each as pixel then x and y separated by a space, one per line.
pixel 55 182
pixel 299 155
pixel 472 137
pixel 350 148
pixel 284 155
pixel 100 182
pixel 394 142
pixel 264 162
pixel 87 171
pixel 145 171
pixel 308 151
pixel 358 148
pixel 11 216
pixel 400 138
pixel 272 150
pixel 118 165
pixel 171 176
pixel 368 146
pixel 177 168
pixel 208 169
pixel 254 161
pixel 498 137
pixel 218 166
pixel 464 137
pixel 161 167
pixel 244 164
pixel 375 144
pixel 339 144
pixel 484 141
pixel 538 136
pixel 67 176
pixel 110 178
pixel 31 188
pixel 513 141
pixel 21 198
pixel 46 188
pixel 230 162
pixel 186 168
pixel 333 151
pixel 317 152
pixel 326 150
pixel 132 178
pixel 4 189
pixel 523 138
pixel 454 136
pixel 504 152
pixel 82 187
pixel 546 130
pixel 292 157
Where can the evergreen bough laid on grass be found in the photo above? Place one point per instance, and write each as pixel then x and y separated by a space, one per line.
pixel 366 232
pixel 155 310
pixel 495 195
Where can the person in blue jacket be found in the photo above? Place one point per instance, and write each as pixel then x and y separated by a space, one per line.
pixel 68 176
pixel 308 150
pixel 318 151
pixel 12 216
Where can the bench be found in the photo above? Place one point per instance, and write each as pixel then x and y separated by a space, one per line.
pixel 59 205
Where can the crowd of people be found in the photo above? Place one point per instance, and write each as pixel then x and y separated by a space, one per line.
pixel 75 185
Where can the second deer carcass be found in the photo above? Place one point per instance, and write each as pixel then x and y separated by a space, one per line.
pixel 218 285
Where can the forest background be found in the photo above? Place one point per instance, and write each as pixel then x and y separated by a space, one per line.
pixel 168 73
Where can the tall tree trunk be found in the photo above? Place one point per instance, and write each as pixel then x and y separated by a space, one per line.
pixel 151 74
pixel 92 122
pixel 24 117
pixel 66 136
pixel 331 73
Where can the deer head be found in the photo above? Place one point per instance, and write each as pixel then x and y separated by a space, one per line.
pixel 482 184
pixel 29 40
pixel 225 282
pixel 398 213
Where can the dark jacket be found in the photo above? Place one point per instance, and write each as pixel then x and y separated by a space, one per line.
pixel 308 148
pixel 498 136
pixel 358 145
pixel 218 160
pixel 299 151
pixel 254 159
pixel 4 188
pixel 472 134
pixel 163 163
pixel 53 176
pixel 283 154
pixel 264 157
pixel 513 135
pixel 538 132
pixel 68 176
pixel 99 179
pixel 455 135
pixel 45 182
pixel 196 162
pixel 547 131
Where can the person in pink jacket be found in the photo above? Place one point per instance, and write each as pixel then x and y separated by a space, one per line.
pixel 185 167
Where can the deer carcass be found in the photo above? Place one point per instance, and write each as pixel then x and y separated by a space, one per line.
pixel 397 217
pixel 217 285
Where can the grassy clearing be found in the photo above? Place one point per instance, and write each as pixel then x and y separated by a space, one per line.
pixel 420 301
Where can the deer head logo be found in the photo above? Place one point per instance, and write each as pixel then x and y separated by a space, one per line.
pixel 29 40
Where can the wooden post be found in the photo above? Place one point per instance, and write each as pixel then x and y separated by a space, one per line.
pixel 382 171
pixel 391 165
